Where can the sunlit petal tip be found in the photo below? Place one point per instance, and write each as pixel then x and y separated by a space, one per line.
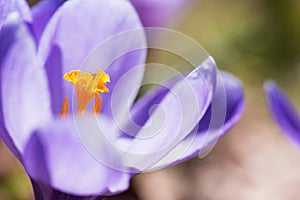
pixel 18 6
pixel 270 85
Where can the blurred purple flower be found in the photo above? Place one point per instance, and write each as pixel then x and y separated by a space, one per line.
pixel 284 112
pixel 155 13
pixel 34 56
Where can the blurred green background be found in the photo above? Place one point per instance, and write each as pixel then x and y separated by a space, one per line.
pixel 254 39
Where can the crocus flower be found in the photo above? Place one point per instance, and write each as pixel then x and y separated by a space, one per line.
pixel 91 145
pixel 284 112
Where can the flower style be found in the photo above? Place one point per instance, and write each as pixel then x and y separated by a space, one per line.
pixel 284 112
pixel 91 145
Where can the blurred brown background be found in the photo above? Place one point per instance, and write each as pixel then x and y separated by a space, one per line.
pixel 255 40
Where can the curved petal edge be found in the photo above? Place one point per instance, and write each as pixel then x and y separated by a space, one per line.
pixel 283 112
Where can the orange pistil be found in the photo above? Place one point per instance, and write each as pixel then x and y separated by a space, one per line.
pixel 88 87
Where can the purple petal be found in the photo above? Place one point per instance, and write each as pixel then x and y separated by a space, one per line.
pixel 41 13
pixel 225 110
pixel 160 13
pixel 283 112
pixel 139 114
pixel 72 41
pixel 56 156
pixel 19 6
pixel 178 113
pixel 25 102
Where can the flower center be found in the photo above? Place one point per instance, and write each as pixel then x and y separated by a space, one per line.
pixel 88 87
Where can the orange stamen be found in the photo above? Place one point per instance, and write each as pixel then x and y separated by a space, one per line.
pixel 88 87
pixel 64 108
pixel 97 105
